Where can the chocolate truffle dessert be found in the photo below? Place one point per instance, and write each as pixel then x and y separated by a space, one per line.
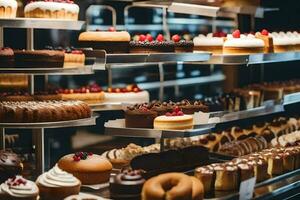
pixel 139 116
pixel 10 165
pixel 126 185
pixel 39 58
pixel 6 57
pixel 190 108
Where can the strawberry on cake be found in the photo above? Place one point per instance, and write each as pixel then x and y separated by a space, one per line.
pixel 176 120
pixel 8 8
pixel 238 43
pixel 131 94
pixel 54 9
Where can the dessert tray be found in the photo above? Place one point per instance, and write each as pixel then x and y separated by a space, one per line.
pixel 59 124
pixel 41 23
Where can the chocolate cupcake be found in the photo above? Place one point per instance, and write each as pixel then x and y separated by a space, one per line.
pixel 10 165
pixel 127 185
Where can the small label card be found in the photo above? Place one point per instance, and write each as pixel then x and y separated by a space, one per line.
pixel 247 188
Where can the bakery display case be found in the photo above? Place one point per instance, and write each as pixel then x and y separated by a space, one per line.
pixel 233 139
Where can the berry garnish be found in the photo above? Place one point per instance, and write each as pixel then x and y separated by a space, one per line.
pixel 176 38
pixel 112 29
pixel 236 34
pixel 81 156
pixel 142 38
pixel 265 32
pixel 176 112
pixel 149 38
pixel 160 38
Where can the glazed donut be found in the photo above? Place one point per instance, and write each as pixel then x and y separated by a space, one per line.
pixel 172 186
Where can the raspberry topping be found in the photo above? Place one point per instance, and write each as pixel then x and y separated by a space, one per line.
pixel 112 29
pixel 129 88
pixel 81 156
pixel 176 112
pixel 16 181
pixel 236 34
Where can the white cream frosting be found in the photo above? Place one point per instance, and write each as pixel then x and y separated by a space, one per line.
pixel 57 178
pixel 9 3
pixel 294 36
pixel 208 40
pixel 244 41
pixel 281 39
pixel 52 6
pixel 128 97
pixel 29 189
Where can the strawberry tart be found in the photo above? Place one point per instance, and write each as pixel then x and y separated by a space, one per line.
pixel 146 44
pixel 212 42
pixel 54 9
pixel 176 120
pixel 238 43
pixel 131 94
pixel 8 8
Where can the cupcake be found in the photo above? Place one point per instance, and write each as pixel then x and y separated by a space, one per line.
pixel 18 188
pixel 57 184
pixel 10 165
pixel 89 168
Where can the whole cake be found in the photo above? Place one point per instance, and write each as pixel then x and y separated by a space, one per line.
pixel 146 44
pixel 39 58
pixel 6 57
pixel 139 117
pixel 54 9
pixel 110 41
pixel 89 168
pixel 127 184
pixel 211 42
pixel 18 188
pixel 10 165
pixel 42 111
pixel 243 44
pixel 57 184
pixel 176 120
pixel 131 94
pixel 8 8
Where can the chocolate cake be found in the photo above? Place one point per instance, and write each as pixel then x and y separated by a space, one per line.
pixel 182 45
pixel 151 47
pixel 192 107
pixel 127 184
pixel 6 57
pixel 39 59
pixel 139 117
pixel 10 165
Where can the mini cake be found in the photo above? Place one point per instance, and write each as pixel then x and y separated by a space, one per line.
pixel 268 40
pixel 139 117
pixel 126 185
pixel 282 42
pixel 243 44
pixel 110 41
pixel 39 59
pixel 89 168
pixel 6 57
pixel 131 94
pixel 57 184
pixel 226 177
pixel 145 44
pixel 10 165
pixel 55 9
pixel 176 120
pixel 212 42
pixel 8 8
pixel 275 163
pixel 182 45
pixel 91 94
pixel 18 188
pixel 206 176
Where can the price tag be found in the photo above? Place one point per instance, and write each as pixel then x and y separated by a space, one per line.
pixel 247 188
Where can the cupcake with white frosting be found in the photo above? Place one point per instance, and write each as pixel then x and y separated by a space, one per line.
pixel 282 42
pixel 18 188
pixel 57 184
pixel 211 42
pixel 238 43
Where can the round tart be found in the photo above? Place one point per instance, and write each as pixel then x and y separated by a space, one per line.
pixel 89 168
